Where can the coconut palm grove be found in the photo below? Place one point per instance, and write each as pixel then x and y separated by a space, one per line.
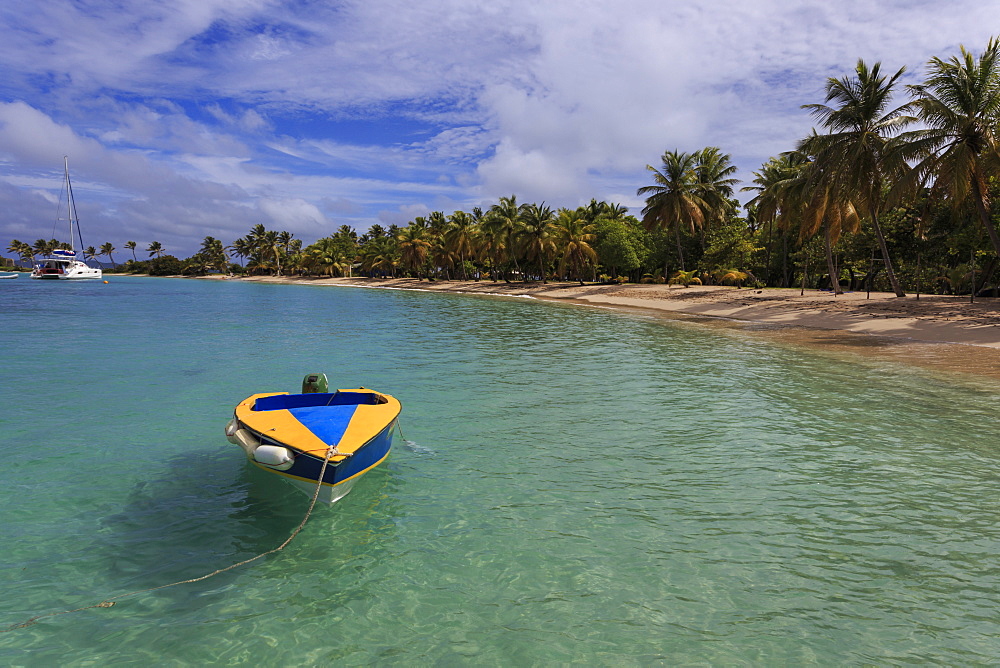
pixel 895 189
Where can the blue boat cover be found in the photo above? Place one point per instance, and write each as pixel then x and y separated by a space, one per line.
pixel 328 422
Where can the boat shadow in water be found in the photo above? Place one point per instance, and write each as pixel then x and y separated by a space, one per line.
pixel 203 512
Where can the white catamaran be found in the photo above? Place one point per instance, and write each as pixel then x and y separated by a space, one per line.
pixel 62 263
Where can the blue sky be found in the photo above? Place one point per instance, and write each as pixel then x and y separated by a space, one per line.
pixel 190 118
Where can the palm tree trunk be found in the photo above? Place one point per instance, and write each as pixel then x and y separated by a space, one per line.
pixel 889 271
pixel 830 265
pixel 767 251
pixel 984 217
pixel 785 279
pixel 680 252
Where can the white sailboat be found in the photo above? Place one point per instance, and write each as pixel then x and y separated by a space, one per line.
pixel 63 264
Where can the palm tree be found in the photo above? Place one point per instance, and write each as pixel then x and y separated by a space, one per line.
pixel 685 278
pixel 155 248
pixel 535 238
pixel 437 222
pixel 714 175
pixel 491 243
pixel 674 200
pixel 255 246
pixel 130 245
pixel 771 206
pixel 327 257
pixel 45 246
pixel 289 244
pixel 819 205
pixel 347 242
pixel 615 212
pixel 573 236
pixel 414 247
pixel 213 254
pixel 241 247
pixel 459 237
pixel 857 156
pixel 505 218
pixel 90 253
pixel 108 249
pixel 22 250
pixel 959 103
pixel 379 255
pixel 270 247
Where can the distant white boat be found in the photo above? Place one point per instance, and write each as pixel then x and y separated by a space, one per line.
pixel 8 275
pixel 62 263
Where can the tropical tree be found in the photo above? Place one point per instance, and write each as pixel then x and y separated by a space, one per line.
pixel 810 196
pixel 615 246
pixel 460 236
pixel 713 173
pixel 573 236
pixel 959 148
pixel 674 200
pixel 108 249
pixel 535 238
pixel 270 248
pixel 492 243
pixel 90 253
pixel 772 205
pixel 347 244
pixel 46 246
pixel 414 247
pixel 242 249
pixel 504 223
pixel 155 248
pixel 857 157
pixel 327 257
pixel 22 250
pixel 213 255
pixel 130 245
pixel 685 278
pixel 379 255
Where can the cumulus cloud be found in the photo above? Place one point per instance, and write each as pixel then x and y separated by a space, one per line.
pixel 191 118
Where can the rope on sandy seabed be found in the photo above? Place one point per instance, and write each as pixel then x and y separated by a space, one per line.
pixel 331 451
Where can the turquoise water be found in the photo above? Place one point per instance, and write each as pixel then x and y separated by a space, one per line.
pixel 575 485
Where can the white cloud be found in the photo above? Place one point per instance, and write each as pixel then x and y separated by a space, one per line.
pixel 190 116
pixel 294 215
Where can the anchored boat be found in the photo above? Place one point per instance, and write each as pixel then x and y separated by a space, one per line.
pixel 293 435
pixel 62 263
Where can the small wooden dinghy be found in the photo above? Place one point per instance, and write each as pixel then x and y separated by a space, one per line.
pixel 291 435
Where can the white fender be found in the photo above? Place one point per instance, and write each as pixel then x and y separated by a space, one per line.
pixel 231 427
pixel 274 456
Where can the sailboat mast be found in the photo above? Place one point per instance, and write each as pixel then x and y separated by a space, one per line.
pixel 71 208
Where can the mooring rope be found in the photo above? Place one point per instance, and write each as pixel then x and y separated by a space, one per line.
pixel 107 603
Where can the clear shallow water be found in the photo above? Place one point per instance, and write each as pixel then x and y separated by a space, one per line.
pixel 577 485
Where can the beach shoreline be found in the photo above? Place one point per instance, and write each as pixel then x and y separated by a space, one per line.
pixel 929 318
pixel 940 332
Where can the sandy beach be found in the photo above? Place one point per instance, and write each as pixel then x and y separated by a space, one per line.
pixel 907 328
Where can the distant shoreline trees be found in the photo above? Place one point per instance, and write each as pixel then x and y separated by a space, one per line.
pixel 866 202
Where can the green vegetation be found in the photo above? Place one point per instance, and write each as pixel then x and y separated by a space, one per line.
pixel 862 202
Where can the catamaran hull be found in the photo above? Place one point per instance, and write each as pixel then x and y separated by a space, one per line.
pixel 304 468
pixel 45 277
pixel 79 272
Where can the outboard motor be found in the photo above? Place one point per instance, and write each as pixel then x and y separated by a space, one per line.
pixel 315 383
